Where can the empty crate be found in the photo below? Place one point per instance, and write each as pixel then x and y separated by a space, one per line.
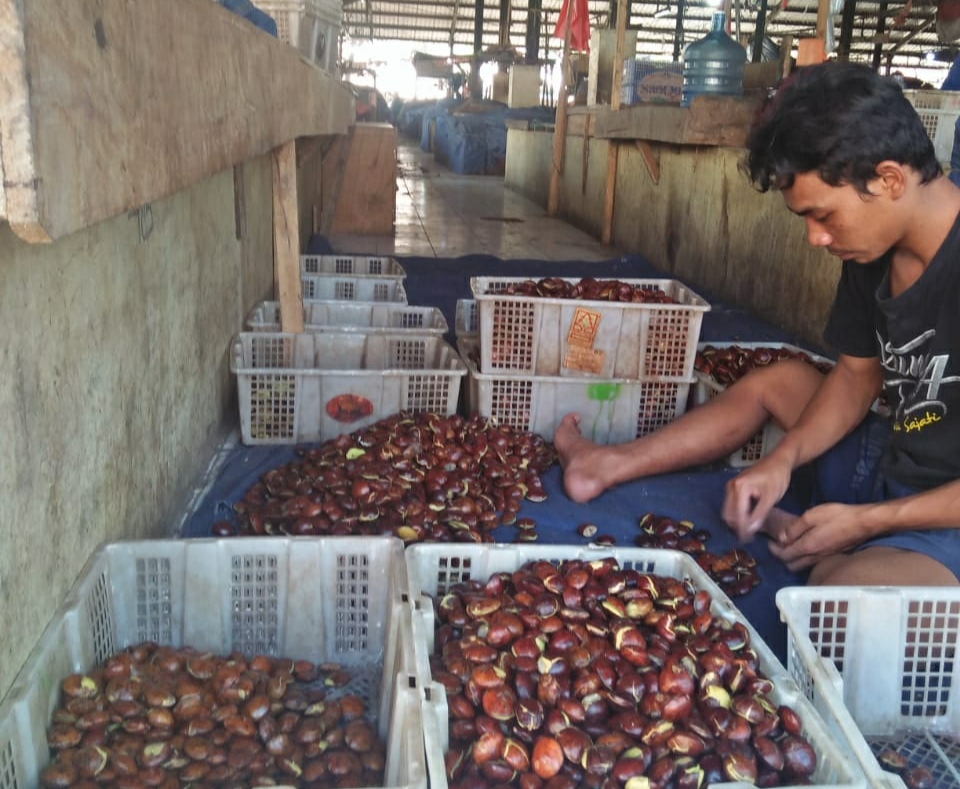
pixel 353 316
pixel 884 664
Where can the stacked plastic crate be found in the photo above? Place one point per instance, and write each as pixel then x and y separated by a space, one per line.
pixel 364 355
pixel 625 367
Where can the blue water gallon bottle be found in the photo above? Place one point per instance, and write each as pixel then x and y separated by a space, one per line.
pixel 714 64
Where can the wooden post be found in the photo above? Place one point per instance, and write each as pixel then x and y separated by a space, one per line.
pixel 617 82
pixel 560 127
pixel 286 237
pixel 610 191
pixel 823 18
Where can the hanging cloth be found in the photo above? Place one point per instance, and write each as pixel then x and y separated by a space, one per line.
pixel 579 25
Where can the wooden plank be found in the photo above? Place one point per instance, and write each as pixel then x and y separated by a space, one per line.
pixel 649 160
pixel 286 238
pixel 610 192
pixel 365 192
pixel 107 105
pixel 585 156
pixel 618 55
pixel 710 120
pixel 560 129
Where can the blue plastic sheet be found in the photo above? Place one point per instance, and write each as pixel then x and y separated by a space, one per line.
pixel 473 143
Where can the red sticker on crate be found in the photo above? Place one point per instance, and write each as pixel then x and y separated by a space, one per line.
pixel 583 327
pixel 349 407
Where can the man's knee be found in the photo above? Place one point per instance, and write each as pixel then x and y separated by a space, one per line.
pixel 783 389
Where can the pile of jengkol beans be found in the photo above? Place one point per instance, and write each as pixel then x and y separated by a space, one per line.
pixel 588 289
pixel 154 716
pixel 415 476
pixel 589 674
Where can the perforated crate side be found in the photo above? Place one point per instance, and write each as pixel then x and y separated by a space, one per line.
pixel 344 288
pixel 433 568
pixel 588 339
pixel 356 265
pixel 894 653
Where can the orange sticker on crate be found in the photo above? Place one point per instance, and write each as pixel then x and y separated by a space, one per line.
pixel 586 360
pixel 583 327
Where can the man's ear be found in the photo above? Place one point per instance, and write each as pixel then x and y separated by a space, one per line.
pixel 891 179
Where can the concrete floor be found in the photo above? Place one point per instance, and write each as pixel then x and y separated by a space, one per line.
pixel 441 214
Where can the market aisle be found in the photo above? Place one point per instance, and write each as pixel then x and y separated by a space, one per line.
pixel 441 214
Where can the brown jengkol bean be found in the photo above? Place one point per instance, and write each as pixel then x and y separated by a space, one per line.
pixel 589 289
pixel 416 476
pixel 579 692
pixel 159 717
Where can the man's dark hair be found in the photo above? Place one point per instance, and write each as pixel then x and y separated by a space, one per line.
pixel 838 120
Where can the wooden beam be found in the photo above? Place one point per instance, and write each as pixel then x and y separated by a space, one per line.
pixel 649 160
pixel 617 83
pixel 286 238
pixel 560 127
pixel 710 120
pixel 108 105
pixel 610 191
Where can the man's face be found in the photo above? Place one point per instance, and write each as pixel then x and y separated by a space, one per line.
pixel 848 224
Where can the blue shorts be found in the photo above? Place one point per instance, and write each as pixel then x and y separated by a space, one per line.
pixel 850 473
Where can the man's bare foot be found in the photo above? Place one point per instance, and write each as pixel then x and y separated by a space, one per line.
pixel 582 461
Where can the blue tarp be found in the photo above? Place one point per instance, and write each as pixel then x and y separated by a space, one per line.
pixel 473 143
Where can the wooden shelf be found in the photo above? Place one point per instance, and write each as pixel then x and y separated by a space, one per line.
pixel 107 105
pixel 709 120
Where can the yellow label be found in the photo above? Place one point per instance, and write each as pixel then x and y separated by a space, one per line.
pixel 586 360
pixel 583 327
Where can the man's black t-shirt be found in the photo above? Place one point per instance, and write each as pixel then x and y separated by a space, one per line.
pixel 917 335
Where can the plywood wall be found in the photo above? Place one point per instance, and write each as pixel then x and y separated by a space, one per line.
pixel 703 221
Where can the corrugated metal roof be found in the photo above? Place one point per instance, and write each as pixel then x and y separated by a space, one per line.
pixel 908 38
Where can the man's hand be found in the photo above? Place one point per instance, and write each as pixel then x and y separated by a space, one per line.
pixel 821 531
pixel 752 494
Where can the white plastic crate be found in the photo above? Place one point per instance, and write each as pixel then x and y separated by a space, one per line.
pixel 884 664
pixel 330 599
pixel 770 434
pixel 371 317
pixel 334 287
pixel 298 24
pixel 467 321
pixel 595 339
pixel 432 568
pixel 354 265
pixel 611 412
pixel 313 387
pixel 939 110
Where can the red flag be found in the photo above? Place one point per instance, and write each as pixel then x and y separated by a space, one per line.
pixel 579 25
